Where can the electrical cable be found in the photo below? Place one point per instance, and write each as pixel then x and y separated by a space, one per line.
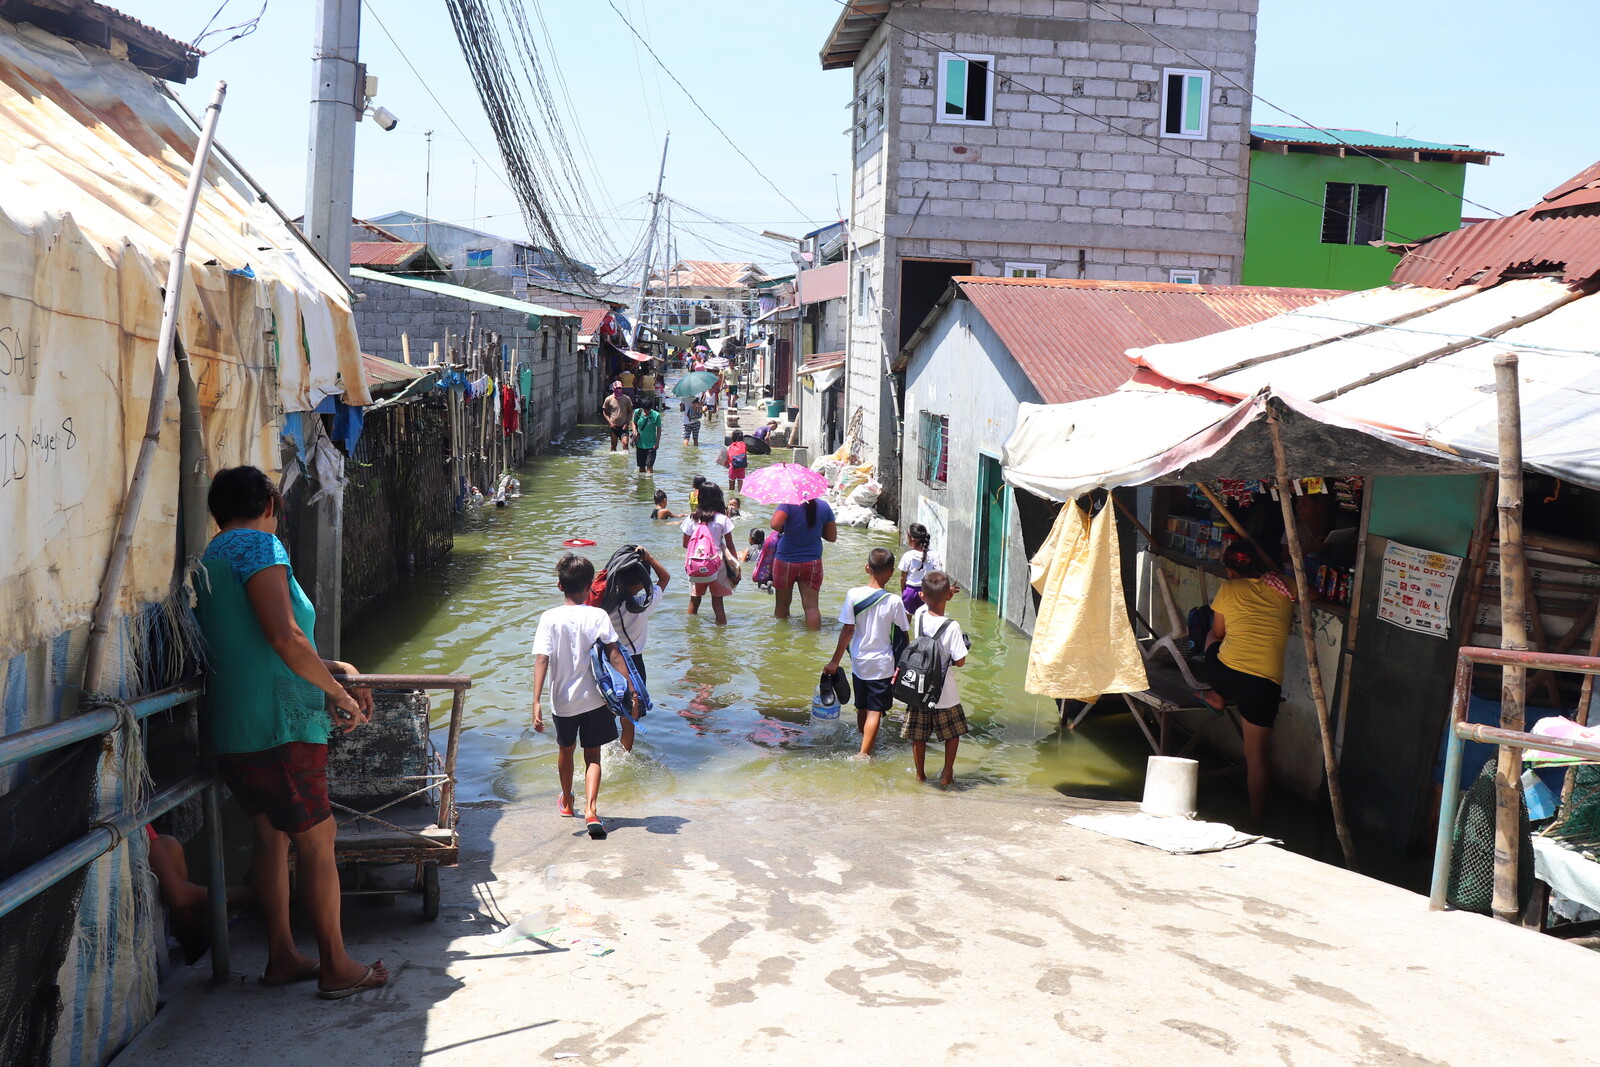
pixel 245 28
pixel 1061 102
pixel 1285 111
pixel 705 114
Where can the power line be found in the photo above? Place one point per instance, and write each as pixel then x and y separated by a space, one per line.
pixel 449 117
pixel 1062 103
pixel 1285 111
pixel 759 172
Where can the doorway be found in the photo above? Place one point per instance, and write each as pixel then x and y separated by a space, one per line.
pixel 922 283
pixel 989 540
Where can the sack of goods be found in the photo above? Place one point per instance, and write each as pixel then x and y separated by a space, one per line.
pixel 919 675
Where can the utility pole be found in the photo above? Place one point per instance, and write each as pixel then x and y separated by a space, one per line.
pixel 338 97
pixel 650 237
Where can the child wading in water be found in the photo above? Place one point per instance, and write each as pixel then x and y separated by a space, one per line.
pixel 660 510
pixel 915 564
pixel 943 718
pixel 708 550
pixel 751 552
pixel 867 614
pixel 561 648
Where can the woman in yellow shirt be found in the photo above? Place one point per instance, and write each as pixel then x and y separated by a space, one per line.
pixel 1244 658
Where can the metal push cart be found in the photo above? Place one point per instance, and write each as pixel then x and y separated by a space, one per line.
pixel 393 795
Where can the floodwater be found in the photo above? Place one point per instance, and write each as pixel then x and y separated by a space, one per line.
pixel 731 702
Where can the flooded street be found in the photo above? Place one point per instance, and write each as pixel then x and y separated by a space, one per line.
pixel 732 703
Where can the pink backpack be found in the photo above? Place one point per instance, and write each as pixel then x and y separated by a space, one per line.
pixel 702 558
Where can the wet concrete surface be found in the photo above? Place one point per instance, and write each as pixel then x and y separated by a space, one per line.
pixel 915 928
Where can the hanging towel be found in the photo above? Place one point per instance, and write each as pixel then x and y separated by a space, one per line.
pixel 1083 644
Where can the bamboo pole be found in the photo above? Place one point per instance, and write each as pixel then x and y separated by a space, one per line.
pixel 1513 635
pixel 1216 502
pixel 1319 695
pixel 128 521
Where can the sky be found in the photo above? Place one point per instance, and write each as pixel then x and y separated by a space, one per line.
pixel 1466 72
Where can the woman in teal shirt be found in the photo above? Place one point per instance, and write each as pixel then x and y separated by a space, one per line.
pixel 267 692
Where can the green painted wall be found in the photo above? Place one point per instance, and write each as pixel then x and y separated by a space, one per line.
pixel 1434 512
pixel 1283 236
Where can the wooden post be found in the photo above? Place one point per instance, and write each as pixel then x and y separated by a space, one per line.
pixel 1353 613
pixel 1319 695
pixel 1513 635
pixel 1216 502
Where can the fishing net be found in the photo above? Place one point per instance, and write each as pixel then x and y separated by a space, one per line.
pixel 1471 886
pixel 37 817
pixel 1579 818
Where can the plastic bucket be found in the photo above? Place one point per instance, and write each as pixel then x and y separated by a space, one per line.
pixel 774 410
pixel 1171 786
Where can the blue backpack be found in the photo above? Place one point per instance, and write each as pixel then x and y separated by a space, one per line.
pixel 613 684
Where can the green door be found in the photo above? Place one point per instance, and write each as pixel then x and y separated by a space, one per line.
pixel 991 529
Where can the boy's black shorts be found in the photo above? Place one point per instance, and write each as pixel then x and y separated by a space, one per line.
pixel 588 730
pixel 873 695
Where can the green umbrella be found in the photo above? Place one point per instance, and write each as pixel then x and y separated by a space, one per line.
pixel 694 383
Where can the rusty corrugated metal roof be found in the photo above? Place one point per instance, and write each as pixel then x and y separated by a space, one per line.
pixel 1559 235
pixel 706 274
pixel 1070 336
pixel 822 361
pixel 384 253
pixel 382 371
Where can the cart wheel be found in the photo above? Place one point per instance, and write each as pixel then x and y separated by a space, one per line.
pixel 430 891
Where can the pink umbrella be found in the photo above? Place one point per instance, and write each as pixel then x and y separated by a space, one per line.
pixel 785 483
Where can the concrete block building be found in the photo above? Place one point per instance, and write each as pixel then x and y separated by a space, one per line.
pixel 1032 138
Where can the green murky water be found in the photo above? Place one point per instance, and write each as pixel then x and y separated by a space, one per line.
pixel 732 703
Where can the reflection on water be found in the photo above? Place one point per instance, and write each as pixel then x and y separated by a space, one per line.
pixel 731 702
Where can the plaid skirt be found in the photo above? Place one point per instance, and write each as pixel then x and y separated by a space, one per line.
pixel 935 724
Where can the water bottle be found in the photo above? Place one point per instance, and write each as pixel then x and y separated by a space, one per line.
pixel 825 704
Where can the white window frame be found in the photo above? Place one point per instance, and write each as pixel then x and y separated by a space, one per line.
pixel 863 295
pixel 942 63
pixel 1024 270
pixel 1185 131
pixel 1186 276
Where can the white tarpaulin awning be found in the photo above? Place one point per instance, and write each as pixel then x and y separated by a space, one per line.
pixel 1143 436
pixel 820 381
pixel 1420 369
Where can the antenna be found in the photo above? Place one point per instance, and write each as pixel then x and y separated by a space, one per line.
pixel 427 191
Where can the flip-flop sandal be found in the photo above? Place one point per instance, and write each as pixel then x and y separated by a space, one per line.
pixel 304 976
pixel 359 987
pixel 597 829
pixel 564 806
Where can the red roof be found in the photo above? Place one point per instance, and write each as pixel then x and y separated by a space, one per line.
pixel 589 321
pixel 384 253
pixel 1070 336
pixel 705 274
pixel 1558 235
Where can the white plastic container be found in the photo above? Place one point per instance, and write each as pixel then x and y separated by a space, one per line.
pixel 824 706
pixel 1171 786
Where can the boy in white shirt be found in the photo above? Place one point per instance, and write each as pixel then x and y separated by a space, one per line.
pixel 943 718
pixel 867 614
pixel 561 648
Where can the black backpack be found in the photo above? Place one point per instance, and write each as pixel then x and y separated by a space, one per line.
pixel 919 674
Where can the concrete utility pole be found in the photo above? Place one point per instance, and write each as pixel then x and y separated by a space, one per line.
pixel 337 101
pixel 650 240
